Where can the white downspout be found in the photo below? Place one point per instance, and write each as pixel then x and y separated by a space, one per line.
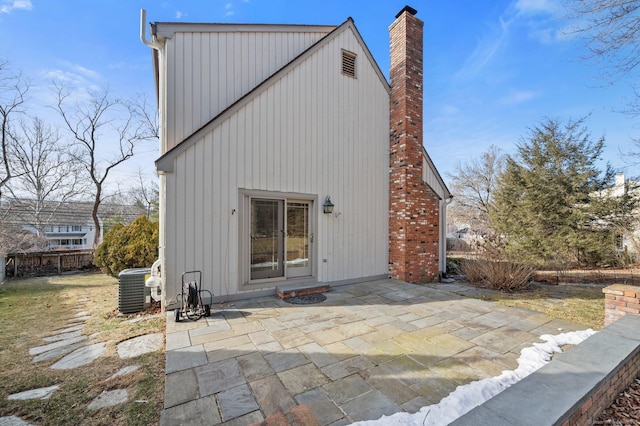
pixel 159 266
pixel 443 235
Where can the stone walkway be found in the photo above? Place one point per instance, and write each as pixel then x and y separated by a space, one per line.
pixel 75 350
pixel 370 349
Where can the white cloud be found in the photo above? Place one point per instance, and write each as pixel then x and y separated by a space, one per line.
pixel 533 7
pixel 180 15
pixel 450 109
pixel 79 80
pixel 517 97
pixel 542 18
pixel 229 9
pixel 10 6
pixel 486 49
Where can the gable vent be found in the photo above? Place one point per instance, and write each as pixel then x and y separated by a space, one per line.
pixel 349 64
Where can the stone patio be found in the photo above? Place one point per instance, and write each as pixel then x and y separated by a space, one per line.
pixel 371 349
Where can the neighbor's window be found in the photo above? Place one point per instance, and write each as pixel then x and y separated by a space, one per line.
pixel 349 64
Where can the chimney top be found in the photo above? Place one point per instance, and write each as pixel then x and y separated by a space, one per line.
pixel 408 9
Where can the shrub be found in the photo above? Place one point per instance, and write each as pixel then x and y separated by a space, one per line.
pixel 128 246
pixel 453 265
pixel 500 275
pixel 495 269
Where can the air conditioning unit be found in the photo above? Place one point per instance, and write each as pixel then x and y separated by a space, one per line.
pixel 133 295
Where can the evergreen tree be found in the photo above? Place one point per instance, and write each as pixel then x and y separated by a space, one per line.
pixel 128 246
pixel 552 201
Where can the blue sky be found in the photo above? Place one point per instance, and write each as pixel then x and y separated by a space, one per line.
pixel 493 68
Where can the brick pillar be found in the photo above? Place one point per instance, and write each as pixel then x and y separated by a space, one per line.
pixel 413 206
pixel 620 300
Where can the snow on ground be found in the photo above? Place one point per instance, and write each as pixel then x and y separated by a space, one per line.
pixel 469 396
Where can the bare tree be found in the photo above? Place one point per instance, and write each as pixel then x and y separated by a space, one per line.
pixel 47 176
pixel 473 187
pixel 145 194
pixel 98 124
pixel 611 29
pixel 13 91
pixel 147 116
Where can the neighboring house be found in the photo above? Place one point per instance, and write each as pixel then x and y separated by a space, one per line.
pixel 66 225
pixel 628 242
pixel 287 158
pixel 66 237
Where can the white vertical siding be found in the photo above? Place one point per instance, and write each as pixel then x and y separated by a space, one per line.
pixel 313 132
pixel 210 71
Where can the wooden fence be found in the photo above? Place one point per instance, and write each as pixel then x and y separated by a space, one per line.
pixel 39 264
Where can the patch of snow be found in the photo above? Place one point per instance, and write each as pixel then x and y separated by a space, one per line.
pixel 466 397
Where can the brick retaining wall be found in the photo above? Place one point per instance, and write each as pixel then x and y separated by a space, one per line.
pixel 574 388
pixel 620 300
pixel 606 393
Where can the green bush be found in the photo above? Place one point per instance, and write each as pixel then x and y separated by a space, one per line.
pixel 453 265
pixel 128 246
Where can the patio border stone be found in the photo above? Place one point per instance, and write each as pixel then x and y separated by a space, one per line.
pixel 574 387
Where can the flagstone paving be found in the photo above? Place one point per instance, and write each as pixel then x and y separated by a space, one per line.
pixel 41 393
pixel 76 350
pixel 370 349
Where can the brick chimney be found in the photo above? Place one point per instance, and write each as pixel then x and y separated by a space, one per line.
pixel 413 206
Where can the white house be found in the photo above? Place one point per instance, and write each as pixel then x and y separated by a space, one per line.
pixel 263 127
pixel 628 242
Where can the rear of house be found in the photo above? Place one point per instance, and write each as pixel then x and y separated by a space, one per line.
pixel 262 128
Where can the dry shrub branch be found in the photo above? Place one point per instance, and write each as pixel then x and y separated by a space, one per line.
pixel 493 269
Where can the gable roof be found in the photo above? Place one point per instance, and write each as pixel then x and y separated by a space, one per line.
pixel 19 212
pixel 434 179
pixel 165 162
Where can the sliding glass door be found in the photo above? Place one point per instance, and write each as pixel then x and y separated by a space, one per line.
pixel 281 238
pixel 267 238
pixel 298 240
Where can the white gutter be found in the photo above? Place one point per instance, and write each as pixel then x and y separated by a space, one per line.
pixel 143 32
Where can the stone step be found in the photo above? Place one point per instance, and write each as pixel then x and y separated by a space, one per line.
pixel 304 289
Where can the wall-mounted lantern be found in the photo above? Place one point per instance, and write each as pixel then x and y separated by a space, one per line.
pixel 327 207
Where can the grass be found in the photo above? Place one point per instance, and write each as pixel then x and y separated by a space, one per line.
pixel 31 309
pixel 581 304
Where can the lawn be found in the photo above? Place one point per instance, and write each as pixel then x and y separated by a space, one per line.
pixel 31 309
pixel 580 303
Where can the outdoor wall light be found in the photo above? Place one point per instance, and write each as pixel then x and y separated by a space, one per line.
pixel 327 207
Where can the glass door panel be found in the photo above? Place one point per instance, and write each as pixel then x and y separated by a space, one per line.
pixel 298 239
pixel 267 238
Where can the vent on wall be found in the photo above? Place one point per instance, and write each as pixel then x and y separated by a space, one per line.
pixel 349 64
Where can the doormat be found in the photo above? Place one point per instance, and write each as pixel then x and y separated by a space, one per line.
pixel 309 299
